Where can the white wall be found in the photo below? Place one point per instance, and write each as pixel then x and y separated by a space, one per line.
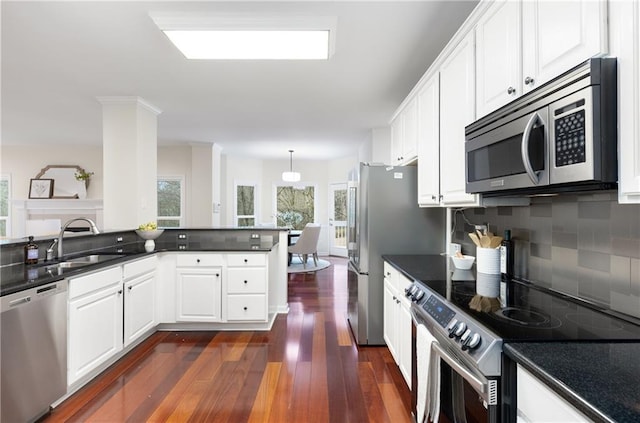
pixel 268 173
pixel 24 163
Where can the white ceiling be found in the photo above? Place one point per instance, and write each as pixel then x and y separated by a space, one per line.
pixel 57 57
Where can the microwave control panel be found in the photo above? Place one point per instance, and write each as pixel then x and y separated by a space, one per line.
pixel 570 130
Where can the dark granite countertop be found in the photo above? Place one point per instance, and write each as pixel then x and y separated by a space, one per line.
pixel 599 378
pixel 421 267
pixel 18 277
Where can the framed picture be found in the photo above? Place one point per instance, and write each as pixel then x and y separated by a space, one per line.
pixel 41 188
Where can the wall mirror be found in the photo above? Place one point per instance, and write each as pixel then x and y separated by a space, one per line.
pixel 65 183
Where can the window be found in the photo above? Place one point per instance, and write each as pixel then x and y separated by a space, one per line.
pixel 295 206
pixel 170 202
pixel 245 211
pixel 5 195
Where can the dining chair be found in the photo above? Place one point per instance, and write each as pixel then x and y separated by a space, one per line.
pixel 307 244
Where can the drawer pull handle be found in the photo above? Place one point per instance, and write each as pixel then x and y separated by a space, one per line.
pixel 245 281
pixel 245 308
pixel 246 260
pixel 217 275
pixel 197 260
pixel 119 291
pixel 130 288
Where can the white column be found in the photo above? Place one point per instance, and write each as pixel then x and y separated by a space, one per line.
pixel 201 208
pixel 217 184
pixel 130 139
pixel 205 185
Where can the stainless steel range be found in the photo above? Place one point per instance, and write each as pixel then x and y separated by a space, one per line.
pixel 477 379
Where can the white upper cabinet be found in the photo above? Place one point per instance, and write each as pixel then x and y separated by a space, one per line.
pixel 625 45
pixel 404 134
pixel 498 56
pixel 558 35
pixel 429 142
pixel 457 109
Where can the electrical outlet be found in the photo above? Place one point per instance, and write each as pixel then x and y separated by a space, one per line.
pixel 119 239
pixel 182 236
pixel 255 236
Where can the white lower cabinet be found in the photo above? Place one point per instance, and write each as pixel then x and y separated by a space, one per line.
pixel 199 287
pixel 538 403
pixel 199 295
pixel 94 322
pixel 246 287
pixel 139 298
pixel 397 320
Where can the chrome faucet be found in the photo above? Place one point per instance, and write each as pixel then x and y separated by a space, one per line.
pixel 92 225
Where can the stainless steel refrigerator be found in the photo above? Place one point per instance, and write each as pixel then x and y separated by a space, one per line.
pixel 383 217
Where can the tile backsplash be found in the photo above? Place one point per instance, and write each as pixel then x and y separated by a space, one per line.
pixel 584 245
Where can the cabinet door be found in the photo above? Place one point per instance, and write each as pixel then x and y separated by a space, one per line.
pixel 625 45
pixel 198 295
pixel 429 142
pixel 498 59
pixel 389 325
pixel 558 35
pixel 457 109
pixel 410 132
pixel 396 139
pixel 95 330
pixel 139 307
pixel 532 393
pixel 404 339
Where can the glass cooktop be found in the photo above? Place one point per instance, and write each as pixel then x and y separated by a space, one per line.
pixel 518 311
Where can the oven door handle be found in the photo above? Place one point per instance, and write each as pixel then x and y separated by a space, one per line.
pixel 524 148
pixel 479 383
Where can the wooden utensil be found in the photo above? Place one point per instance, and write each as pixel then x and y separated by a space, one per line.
pixel 475 239
pixel 495 242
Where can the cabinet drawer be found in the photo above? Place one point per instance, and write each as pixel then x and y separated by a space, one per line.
pixel 139 267
pixel 199 260
pixel 247 281
pixel 258 259
pixel 99 280
pixel 247 307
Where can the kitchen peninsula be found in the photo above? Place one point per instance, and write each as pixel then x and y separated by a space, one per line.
pixel 106 294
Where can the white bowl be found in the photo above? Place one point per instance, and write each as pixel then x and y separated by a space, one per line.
pixel 465 262
pixel 152 234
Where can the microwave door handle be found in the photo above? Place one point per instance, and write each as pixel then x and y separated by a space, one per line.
pixel 524 151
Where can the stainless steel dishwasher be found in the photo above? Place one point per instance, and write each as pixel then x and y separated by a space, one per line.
pixel 33 354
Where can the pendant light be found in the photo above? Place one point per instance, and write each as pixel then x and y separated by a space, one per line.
pixel 291 176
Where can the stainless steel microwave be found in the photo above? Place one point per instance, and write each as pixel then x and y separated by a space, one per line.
pixel 559 137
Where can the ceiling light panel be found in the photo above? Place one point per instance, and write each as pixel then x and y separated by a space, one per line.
pixel 243 37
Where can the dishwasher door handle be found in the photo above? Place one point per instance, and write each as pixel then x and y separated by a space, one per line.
pixel 20 301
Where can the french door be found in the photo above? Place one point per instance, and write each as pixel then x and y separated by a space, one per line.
pixel 338 220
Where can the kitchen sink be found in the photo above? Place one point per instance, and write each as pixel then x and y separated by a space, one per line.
pixel 84 260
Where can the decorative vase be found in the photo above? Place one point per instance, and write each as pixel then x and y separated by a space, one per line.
pixel 149 237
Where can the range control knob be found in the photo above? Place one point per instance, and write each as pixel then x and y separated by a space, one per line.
pixel 419 296
pixel 410 291
pixel 459 329
pixel 472 342
pixel 452 327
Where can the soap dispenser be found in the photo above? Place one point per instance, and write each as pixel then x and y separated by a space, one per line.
pixel 31 252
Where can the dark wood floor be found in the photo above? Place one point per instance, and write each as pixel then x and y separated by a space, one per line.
pixel 306 369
